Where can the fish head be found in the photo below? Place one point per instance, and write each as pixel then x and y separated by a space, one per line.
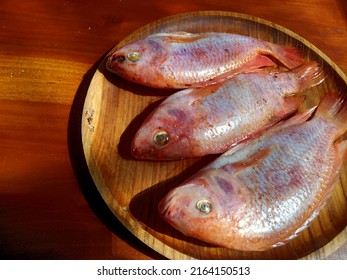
pixel 139 61
pixel 208 206
pixel 194 210
pixel 165 135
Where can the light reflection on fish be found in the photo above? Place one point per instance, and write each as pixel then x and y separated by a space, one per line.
pixel 264 192
pixel 209 120
pixel 182 60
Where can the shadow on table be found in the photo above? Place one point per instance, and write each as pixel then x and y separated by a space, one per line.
pixel 343 6
pixel 88 188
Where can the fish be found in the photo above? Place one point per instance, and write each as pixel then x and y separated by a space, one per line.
pixel 262 193
pixel 180 60
pixel 199 121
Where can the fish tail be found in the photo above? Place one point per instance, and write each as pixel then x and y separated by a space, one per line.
pixel 289 56
pixel 333 108
pixel 309 75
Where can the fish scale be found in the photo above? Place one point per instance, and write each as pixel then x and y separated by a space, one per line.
pixel 207 51
pixel 247 99
pixel 194 53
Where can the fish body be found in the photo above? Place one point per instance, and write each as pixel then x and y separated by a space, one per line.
pixel 183 60
pixel 209 120
pixel 262 193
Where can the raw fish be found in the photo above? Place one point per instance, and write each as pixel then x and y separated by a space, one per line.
pixel 209 120
pixel 183 60
pixel 264 192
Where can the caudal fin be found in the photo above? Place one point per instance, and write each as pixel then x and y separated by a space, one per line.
pixel 309 75
pixel 333 108
pixel 289 56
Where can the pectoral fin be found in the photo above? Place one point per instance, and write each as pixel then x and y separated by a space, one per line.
pixel 182 37
pixel 199 93
pixel 250 161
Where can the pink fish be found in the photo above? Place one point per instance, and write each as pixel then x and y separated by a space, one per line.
pixel 200 121
pixel 262 193
pixel 182 60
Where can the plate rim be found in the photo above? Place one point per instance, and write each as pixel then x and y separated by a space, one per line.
pixel 159 246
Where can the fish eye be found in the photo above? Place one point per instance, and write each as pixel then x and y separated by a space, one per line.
pixel 203 205
pixel 134 56
pixel 161 138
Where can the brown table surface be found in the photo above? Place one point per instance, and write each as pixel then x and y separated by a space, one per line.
pixel 49 206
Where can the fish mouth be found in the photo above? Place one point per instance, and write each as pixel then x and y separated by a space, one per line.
pixel 136 153
pixel 165 207
pixel 148 153
pixel 139 153
pixel 114 59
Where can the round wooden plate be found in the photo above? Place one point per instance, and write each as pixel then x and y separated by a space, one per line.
pixel 113 111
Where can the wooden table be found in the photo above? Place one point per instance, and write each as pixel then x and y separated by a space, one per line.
pixel 49 206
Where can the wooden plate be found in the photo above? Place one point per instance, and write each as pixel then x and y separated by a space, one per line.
pixel 113 111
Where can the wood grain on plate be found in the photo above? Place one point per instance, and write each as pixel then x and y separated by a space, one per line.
pixel 113 111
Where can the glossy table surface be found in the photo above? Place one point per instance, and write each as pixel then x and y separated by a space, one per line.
pixel 49 206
